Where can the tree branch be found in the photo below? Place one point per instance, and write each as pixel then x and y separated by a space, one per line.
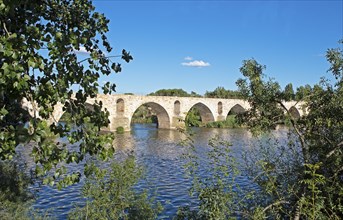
pixel 334 150
pixel 275 204
pixel 301 138
pixel 98 57
pixel 6 29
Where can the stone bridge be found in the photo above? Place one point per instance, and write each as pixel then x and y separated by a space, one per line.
pixel 171 111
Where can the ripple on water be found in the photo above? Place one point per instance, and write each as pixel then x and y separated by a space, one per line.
pixel 161 156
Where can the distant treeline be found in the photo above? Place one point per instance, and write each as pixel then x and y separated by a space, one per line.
pixel 220 92
pixel 144 114
pixel 174 92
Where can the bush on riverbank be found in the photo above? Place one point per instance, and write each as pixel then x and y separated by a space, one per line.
pixel 110 194
pixel 143 115
pixel 230 122
pixel 16 199
pixel 120 130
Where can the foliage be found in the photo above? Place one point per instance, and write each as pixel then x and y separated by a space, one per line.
pixel 218 192
pixel 174 92
pixel 230 122
pixel 312 204
pixel 120 130
pixel 22 211
pixel 302 92
pixel 221 92
pixel 144 115
pixel 262 116
pixel 15 197
pixel 273 164
pixel 318 139
pixel 65 117
pixel 111 195
pixel 193 118
pixel 289 92
pixel 39 41
pixel 14 183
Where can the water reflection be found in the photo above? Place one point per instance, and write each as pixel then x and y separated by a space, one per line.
pixel 124 142
pixel 158 151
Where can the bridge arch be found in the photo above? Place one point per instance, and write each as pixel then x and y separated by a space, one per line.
pixel 171 110
pixel 294 112
pixel 236 109
pixel 205 112
pixel 59 113
pixel 163 118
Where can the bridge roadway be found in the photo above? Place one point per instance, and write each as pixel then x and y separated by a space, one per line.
pixel 170 110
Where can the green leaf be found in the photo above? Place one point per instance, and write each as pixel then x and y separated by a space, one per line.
pixel 44 77
pixel 126 56
pixel 13 35
pixel 3 111
pixel 58 36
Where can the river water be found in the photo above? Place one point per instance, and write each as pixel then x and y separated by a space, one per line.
pixel 158 151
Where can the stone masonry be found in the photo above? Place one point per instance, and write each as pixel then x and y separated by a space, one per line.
pixel 170 111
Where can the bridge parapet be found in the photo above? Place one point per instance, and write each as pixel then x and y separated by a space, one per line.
pixel 171 111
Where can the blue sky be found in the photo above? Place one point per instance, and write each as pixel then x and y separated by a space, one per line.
pixel 200 45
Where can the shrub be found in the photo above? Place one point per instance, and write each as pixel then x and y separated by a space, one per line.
pixel 120 130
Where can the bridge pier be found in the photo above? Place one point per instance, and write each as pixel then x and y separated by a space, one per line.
pixel 177 122
pixel 119 121
pixel 171 111
pixel 221 118
pixel 124 122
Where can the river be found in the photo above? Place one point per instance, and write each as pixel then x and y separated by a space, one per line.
pixel 158 151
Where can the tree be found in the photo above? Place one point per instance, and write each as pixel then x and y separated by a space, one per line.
pixel 312 187
pixel 193 118
pixel 174 92
pixel 289 92
pixel 303 92
pixel 221 92
pixel 144 114
pixel 218 192
pixel 39 41
pixel 111 196
pixel 194 94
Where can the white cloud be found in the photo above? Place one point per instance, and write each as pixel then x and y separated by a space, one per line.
pixel 82 50
pixel 196 63
pixel 188 58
